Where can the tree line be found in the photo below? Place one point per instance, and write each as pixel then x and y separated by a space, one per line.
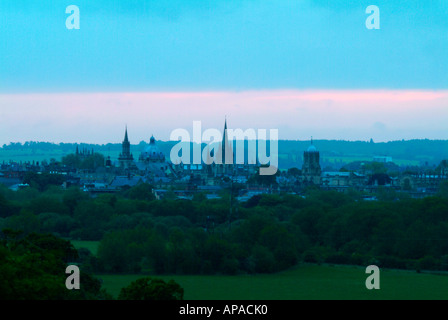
pixel 268 233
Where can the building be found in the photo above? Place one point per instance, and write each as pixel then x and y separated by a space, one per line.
pixel 153 165
pixel 311 170
pixel 225 156
pixel 222 165
pixel 84 153
pixel 382 159
pixel 126 159
pixel 341 181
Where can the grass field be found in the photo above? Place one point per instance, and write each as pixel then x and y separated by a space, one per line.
pixel 302 283
pixel 40 155
pixel 349 159
pixel 27 156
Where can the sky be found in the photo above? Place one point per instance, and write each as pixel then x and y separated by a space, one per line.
pixel 304 67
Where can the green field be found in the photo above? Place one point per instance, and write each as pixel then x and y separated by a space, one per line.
pixel 27 155
pixel 39 155
pixel 349 159
pixel 302 283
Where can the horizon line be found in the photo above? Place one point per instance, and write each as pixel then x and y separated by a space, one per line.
pixel 177 141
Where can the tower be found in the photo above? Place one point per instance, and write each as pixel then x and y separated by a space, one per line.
pixel 225 154
pixel 125 157
pixel 311 170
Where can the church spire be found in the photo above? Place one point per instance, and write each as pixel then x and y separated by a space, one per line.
pixel 126 134
pixel 225 138
pixel 226 147
pixel 225 124
pixel 125 147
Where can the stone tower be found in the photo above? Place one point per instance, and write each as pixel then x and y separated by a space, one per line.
pixel 311 170
pixel 125 157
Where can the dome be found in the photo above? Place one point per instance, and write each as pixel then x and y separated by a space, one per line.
pixel 152 152
pixel 311 148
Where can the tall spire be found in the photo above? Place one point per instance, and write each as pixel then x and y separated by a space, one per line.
pixel 224 136
pixel 126 134
pixel 126 147
pixel 227 153
pixel 225 124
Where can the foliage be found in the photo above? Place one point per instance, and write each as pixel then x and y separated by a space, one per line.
pixel 152 289
pixel 264 180
pixel 141 191
pixel 32 267
pixel 7 208
pixel 268 233
pixel 42 181
pixel 90 162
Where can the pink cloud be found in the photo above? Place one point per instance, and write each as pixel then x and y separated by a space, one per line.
pixel 355 95
pixel 340 114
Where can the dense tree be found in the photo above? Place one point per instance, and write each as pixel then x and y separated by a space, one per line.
pixel 204 236
pixel 152 289
pixel 56 223
pixel 92 216
pixel 42 181
pixel 90 162
pixel 47 204
pixel 295 172
pixel 141 191
pixel 33 268
pixel 72 197
pixel 264 180
pixel 443 190
pixel 7 208
pixel 25 221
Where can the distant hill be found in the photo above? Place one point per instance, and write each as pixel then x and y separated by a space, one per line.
pixel 333 153
pixel 337 152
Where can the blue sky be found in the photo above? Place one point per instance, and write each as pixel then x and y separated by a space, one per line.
pixel 305 67
pixel 222 45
